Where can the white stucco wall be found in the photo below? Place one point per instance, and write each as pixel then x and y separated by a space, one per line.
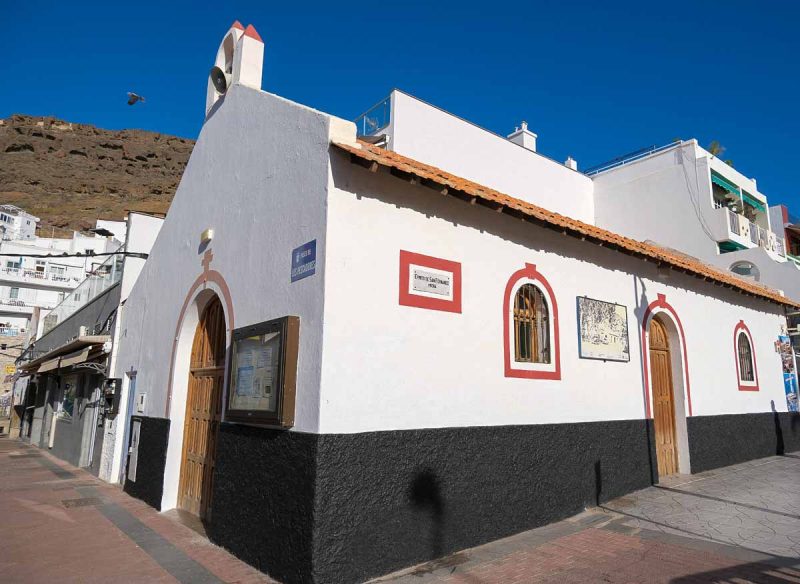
pixel 665 198
pixel 258 177
pixel 426 133
pixel 142 230
pixel 387 366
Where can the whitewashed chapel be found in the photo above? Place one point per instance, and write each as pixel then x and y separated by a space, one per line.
pixel 351 355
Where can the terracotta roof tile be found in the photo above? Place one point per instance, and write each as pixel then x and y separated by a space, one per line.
pixel 456 185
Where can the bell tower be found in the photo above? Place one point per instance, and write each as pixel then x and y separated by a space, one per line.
pixel 239 60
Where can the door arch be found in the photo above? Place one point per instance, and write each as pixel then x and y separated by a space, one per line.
pixel 663 390
pixel 203 411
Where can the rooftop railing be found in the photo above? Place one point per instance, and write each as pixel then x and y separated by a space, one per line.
pixel 630 157
pixel 375 118
pixel 101 279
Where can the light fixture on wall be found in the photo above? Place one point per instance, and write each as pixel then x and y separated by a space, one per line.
pixel 207 235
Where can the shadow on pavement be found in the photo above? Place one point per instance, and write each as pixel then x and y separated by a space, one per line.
pixel 754 572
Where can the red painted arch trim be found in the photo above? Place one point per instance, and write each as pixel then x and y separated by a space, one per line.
pixel 530 272
pixel 661 305
pixel 199 283
pixel 744 386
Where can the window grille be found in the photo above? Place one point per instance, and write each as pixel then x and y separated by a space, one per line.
pixel 746 371
pixel 531 326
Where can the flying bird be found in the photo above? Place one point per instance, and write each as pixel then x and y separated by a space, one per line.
pixel 133 98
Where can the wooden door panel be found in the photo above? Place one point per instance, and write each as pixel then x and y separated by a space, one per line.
pixel 663 400
pixel 203 409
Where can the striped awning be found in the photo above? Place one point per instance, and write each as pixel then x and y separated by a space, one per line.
pixel 753 202
pixel 725 184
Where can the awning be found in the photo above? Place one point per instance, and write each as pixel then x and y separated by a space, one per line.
pixel 65 355
pixel 728 186
pixel 74 358
pixel 753 202
pixel 49 365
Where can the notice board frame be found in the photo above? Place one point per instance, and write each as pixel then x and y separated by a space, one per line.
pixel 286 375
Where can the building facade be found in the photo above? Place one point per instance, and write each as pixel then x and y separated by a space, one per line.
pixel 68 394
pixel 365 354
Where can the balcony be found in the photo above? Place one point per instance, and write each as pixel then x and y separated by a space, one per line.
pixel 44 279
pixel 740 233
pixel 18 306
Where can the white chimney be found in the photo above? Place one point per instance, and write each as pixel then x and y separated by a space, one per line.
pixel 524 137
pixel 570 162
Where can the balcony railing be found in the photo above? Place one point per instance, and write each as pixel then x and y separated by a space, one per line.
pixel 375 118
pixel 27 275
pixel 100 280
pixel 746 230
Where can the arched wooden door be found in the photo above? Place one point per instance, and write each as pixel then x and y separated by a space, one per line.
pixel 203 411
pixel 663 400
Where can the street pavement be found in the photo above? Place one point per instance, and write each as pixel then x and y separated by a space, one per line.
pixel 739 524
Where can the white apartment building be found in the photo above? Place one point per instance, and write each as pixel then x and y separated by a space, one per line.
pixel 16 223
pixel 681 196
pixel 32 286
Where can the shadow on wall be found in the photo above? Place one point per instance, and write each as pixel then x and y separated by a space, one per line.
pixel 780 447
pixel 425 494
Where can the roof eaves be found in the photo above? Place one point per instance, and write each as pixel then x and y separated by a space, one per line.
pixel 372 157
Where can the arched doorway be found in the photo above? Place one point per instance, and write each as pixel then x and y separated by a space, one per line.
pixel 203 411
pixel 663 399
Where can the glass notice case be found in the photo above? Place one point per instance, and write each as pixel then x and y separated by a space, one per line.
pixel 263 374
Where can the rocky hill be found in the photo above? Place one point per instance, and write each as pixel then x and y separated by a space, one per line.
pixel 69 174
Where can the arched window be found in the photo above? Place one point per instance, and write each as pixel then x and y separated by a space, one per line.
pixel 746 270
pixel 746 371
pixel 531 326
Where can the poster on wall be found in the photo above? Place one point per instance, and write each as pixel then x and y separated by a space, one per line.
pixel 429 282
pixel 66 409
pixel 602 330
pixel 789 378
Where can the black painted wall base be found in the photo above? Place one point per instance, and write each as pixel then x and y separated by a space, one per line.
pixel 717 441
pixel 149 484
pixel 344 508
pixel 263 499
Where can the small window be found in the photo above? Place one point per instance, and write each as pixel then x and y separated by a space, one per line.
pixel 746 372
pixel 13 293
pixel 746 369
pixel 531 326
pixel 746 270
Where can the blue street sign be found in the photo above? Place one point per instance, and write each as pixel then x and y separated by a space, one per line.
pixel 304 260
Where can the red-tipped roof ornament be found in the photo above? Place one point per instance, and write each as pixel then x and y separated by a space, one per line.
pixel 251 32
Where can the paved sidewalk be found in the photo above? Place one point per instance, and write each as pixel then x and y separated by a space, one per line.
pixel 737 525
pixel 61 524
pixel 740 524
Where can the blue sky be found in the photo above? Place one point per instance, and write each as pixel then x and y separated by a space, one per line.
pixel 593 79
